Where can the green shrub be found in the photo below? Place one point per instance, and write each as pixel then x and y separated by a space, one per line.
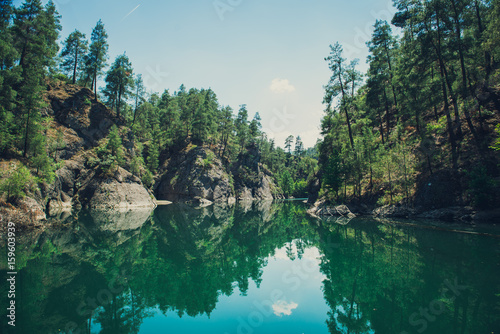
pixel 496 145
pixel 300 189
pixel 147 179
pixel 110 153
pixel 437 127
pixel 136 164
pixel 17 184
pixel 208 161
pixel 481 187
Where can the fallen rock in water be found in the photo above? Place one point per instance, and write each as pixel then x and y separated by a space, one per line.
pixel 393 211
pixel 322 208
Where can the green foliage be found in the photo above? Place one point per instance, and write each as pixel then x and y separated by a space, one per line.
pixel 95 59
pixel 481 187
pixel 496 145
pixel 110 152
pixel 7 131
pixel 75 47
pixel 286 183
pixel 209 160
pixel 18 183
pixel 332 173
pixel 148 179
pixel 299 189
pixel 119 83
pixel 438 127
pixel 415 113
pixel 136 164
pixel 153 155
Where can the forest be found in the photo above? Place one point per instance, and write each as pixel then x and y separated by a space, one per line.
pixel 427 109
pixel 158 125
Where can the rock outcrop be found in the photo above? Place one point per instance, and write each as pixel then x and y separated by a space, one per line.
pixel 194 173
pixel 74 107
pixel 393 211
pixel 197 173
pixel 253 181
pixel 323 208
pixel 122 191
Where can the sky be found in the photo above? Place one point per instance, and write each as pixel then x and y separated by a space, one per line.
pixel 267 54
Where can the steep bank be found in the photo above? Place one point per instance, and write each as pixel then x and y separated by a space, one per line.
pixel 197 173
pixel 89 174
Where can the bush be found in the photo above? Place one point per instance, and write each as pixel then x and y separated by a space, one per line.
pixel 286 184
pixel 481 187
pixel 147 179
pixel 110 153
pixel 496 145
pixel 136 164
pixel 17 184
pixel 437 127
pixel 300 189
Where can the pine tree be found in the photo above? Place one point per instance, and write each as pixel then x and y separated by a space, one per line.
pixel 9 77
pixel 226 128
pixel 36 31
pixel 75 48
pixel 119 83
pixel 95 60
pixel 289 143
pixel 242 126
pixel 337 84
pixel 299 147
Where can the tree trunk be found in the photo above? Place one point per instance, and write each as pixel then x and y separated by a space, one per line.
pixel 480 27
pixel 390 181
pixel 458 33
pixel 345 107
pixel 417 114
pixel 381 126
pixel 449 122
pixel 119 99
pixel 26 135
pixel 442 68
pixel 74 68
pixel 349 127
pixel 387 114
pixel 95 85
pixel 390 75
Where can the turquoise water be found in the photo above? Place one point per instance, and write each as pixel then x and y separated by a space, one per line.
pixel 254 268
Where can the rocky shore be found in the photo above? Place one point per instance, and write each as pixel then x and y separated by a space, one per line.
pixel 465 214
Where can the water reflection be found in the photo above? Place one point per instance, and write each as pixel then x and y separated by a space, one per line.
pixel 102 272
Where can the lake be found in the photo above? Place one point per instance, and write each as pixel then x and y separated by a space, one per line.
pixel 256 267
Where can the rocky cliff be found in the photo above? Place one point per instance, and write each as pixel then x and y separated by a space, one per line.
pixel 197 173
pixel 192 173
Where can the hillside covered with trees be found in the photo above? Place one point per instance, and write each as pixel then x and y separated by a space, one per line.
pixel 50 95
pixel 422 126
pixel 419 129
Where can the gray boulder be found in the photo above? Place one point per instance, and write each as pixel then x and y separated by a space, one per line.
pixel 122 191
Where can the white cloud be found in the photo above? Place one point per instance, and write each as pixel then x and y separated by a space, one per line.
pixel 281 308
pixel 280 86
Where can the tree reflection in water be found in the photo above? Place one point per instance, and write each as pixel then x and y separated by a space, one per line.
pixel 110 271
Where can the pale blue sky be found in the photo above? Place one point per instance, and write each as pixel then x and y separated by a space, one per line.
pixel 237 51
